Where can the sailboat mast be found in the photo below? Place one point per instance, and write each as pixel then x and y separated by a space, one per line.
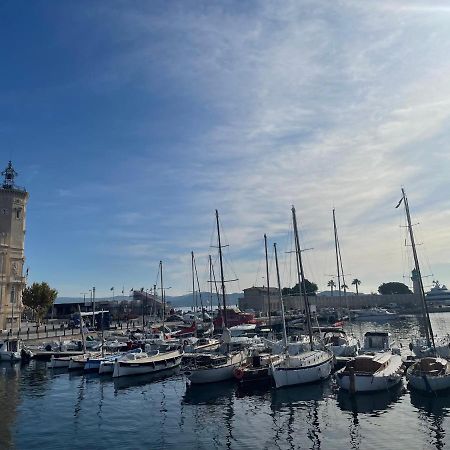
pixel 301 278
pixel 426 316
pixel 269 311
pixel 210 286
pixel 194 298
pixel 163 298
pixel 221 272
pixel 337 252
pixel 280 294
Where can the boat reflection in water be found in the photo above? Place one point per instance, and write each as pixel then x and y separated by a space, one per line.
pixel 433 409
pixel 213 394
pixel 122 383
pixel 9 400
pixel 374 403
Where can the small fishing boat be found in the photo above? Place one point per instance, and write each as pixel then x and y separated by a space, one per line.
pixel 256 369
pixel 10 350
pixel 146 364
pixel 214 367
pixel 79 362
pixel 429 374
pixel 371 372
pixel 106 365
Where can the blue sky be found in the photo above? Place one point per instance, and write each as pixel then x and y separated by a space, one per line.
pixel 131 122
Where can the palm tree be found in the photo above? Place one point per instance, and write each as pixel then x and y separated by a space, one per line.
pixel 356 282
pixel 332 285
pixel 345 287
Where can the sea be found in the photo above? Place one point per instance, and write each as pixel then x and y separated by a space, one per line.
pixel 44 409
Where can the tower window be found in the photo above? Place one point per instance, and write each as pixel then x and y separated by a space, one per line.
pixel 18 211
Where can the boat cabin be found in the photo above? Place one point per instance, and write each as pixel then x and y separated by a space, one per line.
pixel 377 341
pixel 368 363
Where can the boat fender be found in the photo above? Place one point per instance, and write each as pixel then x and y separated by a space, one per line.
pixel 411 346
pixel 238 373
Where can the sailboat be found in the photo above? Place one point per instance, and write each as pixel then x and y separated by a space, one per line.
pixel 338 341
pixel 431 373
pixel 214 367
pixel 309 366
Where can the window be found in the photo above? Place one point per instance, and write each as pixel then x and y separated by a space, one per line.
pixel 13 294
pixel 18 213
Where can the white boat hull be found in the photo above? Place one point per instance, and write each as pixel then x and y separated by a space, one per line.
pixel 147 365
pixel 203 375
pixel 429 382
pixel 343 350
pixel 366 382
pixel 317 366
pixel 57 363
pixel 106 367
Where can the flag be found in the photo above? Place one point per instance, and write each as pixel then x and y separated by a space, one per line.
pixel 26 274
pixel 399 203
pixel 112 289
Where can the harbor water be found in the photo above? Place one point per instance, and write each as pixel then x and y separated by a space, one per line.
pixel 45 409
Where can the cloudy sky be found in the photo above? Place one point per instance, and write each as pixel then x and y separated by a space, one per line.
pixel 131 122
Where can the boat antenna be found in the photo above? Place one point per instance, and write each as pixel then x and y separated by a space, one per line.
pixel 268 284
pixel 222 280
pixel 194 296
pixel 163 299
pixel 280 294
pixel 301 279
pixel 425 313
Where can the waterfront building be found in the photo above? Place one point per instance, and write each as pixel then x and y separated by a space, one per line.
pixel 13 203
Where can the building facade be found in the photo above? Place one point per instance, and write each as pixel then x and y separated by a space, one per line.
pixel 13 203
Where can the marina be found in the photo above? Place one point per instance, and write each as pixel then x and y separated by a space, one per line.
pixel 163 411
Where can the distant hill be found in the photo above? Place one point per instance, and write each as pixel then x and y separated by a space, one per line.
pixel 186 300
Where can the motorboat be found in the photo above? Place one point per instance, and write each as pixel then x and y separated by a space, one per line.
pixel 340 343
pixel 371 372
pixel 147 364
pixel 429 374
pixel 371 314
pixel 378 341
pixel 11 350
pixel 243 329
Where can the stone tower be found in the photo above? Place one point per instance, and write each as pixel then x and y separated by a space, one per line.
pixel 13 203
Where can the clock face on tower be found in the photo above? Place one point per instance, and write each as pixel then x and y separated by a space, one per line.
pixel 4 211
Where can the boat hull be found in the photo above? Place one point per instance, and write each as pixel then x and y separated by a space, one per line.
pixel 223 372
pixel 147 365
pixel 428 382
pixel 309 373
pixel 10 356
pixel 367 382
pixel 58 363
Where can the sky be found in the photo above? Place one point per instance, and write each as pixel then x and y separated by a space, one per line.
pixel 130 122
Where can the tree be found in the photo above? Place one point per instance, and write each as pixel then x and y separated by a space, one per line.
pixel 393 287
pixel 345 287
pixel 332 285
pixel 39 297
pixel 311 289
pixel 356 282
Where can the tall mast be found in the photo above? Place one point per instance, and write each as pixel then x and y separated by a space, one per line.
pixel 268 284
pixel 163 299
pixel 280 294
pixel 426 316
pixel 301 279
pixel 210 286
pixel 194 298
pixel 221 272
pixel 198 287
pixel 337 253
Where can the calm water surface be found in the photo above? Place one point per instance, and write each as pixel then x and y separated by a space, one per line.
pixel 45 409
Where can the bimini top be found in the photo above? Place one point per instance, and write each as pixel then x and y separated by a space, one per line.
pixel 378 333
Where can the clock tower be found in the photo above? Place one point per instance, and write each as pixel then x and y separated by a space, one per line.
pixel 13 202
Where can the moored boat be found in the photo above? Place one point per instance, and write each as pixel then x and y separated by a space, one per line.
pixel 371 372
pixel 147 364
pixel 10 350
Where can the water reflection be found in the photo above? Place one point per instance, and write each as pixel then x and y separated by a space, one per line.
pixel 374 403
pixel 123 383
pixel 432 409
pixel 9 399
